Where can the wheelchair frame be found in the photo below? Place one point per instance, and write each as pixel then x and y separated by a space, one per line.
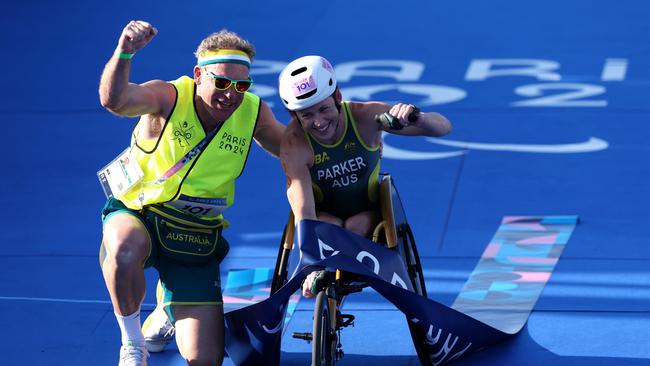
pixel 395 233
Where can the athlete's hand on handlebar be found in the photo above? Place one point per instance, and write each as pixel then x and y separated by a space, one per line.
pixel 308 283
pixel 135 36
pixel 314 283
pixel 399 116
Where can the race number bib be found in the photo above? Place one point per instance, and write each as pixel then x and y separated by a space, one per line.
pixel 120 175
pixel 210 207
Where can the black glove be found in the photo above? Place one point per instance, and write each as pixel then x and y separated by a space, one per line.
pixel 389 121
pixel 320 282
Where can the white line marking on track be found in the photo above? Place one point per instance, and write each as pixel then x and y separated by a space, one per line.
pixel 69 301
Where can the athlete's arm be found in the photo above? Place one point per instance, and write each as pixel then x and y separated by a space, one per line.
pixel 427 124
pixel 123 98
pixel 296 158
pixel 268 132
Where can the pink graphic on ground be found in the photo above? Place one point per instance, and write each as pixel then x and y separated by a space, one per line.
pixel 491 250
pixel 533 260
pixel 545 239
pixel 533 226
pixel 236 300
pixel 540 277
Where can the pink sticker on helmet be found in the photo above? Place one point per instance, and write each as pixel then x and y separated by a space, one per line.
pixel 327 65
pixel 303 86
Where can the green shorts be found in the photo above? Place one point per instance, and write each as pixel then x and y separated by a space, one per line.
pixel 182 281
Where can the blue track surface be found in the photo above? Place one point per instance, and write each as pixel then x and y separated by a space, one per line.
pixel 595 309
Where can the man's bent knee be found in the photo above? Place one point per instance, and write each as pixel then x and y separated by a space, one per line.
pixel 126 240
pixel 200 334
pixel 205 360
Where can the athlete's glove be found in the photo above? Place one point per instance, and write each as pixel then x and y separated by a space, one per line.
pixel 391 122
pixel 314 283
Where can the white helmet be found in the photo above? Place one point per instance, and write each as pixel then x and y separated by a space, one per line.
pixel 306 81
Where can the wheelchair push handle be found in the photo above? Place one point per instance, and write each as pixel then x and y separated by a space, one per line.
pixel 389 121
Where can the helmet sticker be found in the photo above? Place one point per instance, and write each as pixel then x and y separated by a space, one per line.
pixel 327 65
pixel 304 86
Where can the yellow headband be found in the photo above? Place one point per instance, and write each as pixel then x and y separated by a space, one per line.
pixel 224 56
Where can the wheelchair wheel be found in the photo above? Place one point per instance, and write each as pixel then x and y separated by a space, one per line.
pixel 280 273
pixel 405 241
pixel 409 253
pixel 324 340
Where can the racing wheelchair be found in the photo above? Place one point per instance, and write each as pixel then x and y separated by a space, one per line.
pixel 394 233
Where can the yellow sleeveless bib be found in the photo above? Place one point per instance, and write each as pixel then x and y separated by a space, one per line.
pixel 211 175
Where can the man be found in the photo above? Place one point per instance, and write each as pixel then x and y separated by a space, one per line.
pixel 331 149
pixel 191 143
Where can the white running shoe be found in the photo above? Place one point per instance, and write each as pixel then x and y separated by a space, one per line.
pixel 158 331
pixel 131 355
